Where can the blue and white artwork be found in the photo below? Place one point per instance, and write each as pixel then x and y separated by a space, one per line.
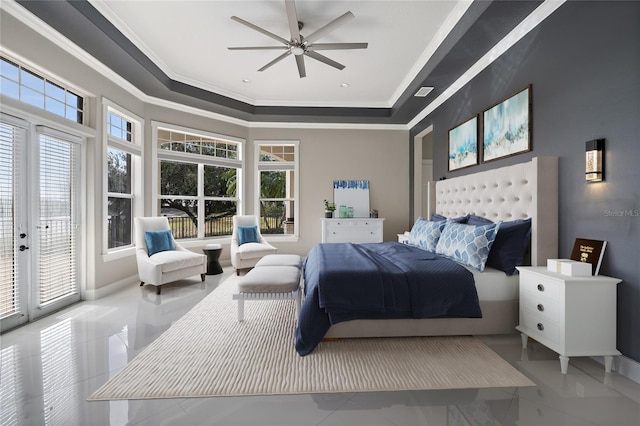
pixel 354 194
pixel 463 145
pixel 507 127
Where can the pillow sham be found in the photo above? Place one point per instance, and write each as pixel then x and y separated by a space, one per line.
pixel 158 241
pixel 461 219
pixel 510 245
pixel 425 233
pixel 468 244
pixel 247 234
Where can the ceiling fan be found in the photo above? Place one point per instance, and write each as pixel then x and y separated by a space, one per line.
pixel 301 46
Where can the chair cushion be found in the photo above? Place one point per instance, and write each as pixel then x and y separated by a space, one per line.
pixel 280 260
pixel 177 259
pixel 247 234
pixel 254 250
pixel 274 279
pixel 158 241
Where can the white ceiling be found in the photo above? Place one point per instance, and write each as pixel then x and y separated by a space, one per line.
pixel 188 41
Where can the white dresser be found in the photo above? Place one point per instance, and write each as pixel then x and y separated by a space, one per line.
pixel 356 230
pixel 573 316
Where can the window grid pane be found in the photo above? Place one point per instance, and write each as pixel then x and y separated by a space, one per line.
pixel 170 140
pixel 31 88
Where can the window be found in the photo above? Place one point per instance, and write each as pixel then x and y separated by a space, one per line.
pixel 277 180
pixel 20 83
pixel 124 175
pixel 199 182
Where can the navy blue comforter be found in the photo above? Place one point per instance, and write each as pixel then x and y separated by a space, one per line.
pixel 379 281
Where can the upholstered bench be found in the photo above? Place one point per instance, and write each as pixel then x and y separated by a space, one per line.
pixel 275 277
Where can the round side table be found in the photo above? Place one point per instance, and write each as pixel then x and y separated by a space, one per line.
pixel 213 252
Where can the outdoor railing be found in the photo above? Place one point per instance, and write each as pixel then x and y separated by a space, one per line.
pixel 184 227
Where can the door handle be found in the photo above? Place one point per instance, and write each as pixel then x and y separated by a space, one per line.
pixel 23 247
pixel 23 235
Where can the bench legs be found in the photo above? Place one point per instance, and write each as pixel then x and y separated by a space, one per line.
pixel 294 295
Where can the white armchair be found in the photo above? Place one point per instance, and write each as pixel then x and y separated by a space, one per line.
pixel 165 266
pixel 248 254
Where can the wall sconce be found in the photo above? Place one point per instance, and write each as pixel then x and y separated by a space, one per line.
pixel 594 166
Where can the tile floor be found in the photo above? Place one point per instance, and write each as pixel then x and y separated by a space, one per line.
pixel 50 367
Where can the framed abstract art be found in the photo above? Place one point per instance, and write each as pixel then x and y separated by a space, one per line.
pixel 506 127
pixel 463 145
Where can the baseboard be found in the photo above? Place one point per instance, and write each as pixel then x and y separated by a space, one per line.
pixel 624 366
pixel 111 288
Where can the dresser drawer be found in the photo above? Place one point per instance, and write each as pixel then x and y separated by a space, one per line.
pixel 541 328
pixel 352 224
pixel 352 230
pixel 544 287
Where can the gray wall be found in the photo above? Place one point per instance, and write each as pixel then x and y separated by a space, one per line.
pixel 584 65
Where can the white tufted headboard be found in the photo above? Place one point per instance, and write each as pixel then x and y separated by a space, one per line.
pixel 507 193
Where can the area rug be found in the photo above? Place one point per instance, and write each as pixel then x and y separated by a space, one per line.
pixel 209 353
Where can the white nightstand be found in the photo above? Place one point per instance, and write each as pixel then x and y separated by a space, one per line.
pixel 573 316
pixel 404 238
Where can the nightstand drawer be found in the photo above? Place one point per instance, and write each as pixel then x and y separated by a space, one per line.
pixel 540 327
pixel 543 307
pixel 545 287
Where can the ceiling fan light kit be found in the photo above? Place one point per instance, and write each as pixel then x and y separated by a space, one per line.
pixel 301 46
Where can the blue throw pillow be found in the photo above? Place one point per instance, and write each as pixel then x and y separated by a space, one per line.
pixel 468 244
pixel 425 233
pixel 247 234
pixel 511 244
pixel 158 241
pixel 461 219
pixel 478 220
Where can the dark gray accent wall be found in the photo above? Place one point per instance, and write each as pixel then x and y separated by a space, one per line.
pixel 584 64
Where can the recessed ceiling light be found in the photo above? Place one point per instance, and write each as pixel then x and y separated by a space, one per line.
pixel 344 85
pixel 246 80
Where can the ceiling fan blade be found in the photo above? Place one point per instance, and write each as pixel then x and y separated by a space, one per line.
pixel 258 48
pixel 278 59
pixel 321 32
pixel 324 59
pixel 300 63
pixel 292 17
pixel 337 46
pixel 260 30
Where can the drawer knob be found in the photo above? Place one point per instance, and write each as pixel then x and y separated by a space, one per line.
pixel 540 307
pixel 540 326
pixel 540 287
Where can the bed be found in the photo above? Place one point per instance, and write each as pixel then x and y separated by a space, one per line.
pixel 520 191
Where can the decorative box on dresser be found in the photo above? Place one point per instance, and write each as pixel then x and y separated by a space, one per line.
pixel 571 315
pixel 356 230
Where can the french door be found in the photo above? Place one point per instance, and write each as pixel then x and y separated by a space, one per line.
pixel 39 220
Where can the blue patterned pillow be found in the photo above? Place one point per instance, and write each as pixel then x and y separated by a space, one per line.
pixel 468 244
pixel 425 233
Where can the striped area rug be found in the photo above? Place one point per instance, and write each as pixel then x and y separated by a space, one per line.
pixel 209 353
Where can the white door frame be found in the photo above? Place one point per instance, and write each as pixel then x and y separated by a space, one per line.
pixel 417 172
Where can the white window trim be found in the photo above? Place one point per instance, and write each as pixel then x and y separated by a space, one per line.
pixel 136 149
pixel 270 165
pixel 157 154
